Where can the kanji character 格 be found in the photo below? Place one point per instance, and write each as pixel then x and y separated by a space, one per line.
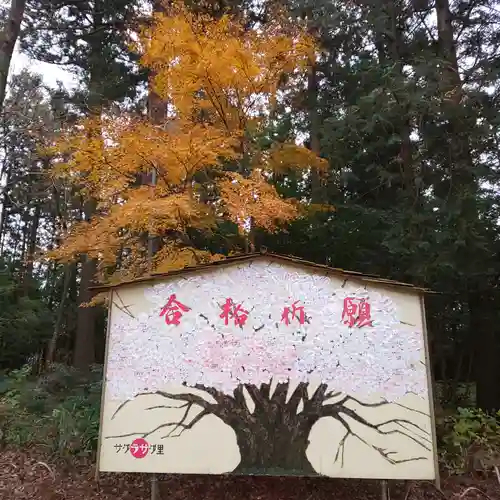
pixel 235 312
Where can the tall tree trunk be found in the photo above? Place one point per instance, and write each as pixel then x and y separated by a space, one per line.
pixel 32 244
pixel 158 114
pixel 8 39
pixel 24 230
pixel 84 348
pixel 389 43
pixel 451 91
pixel 317 190
pixel 463 191
pixel 396 50
pixel 484 321
pixel 157 110
pixel 6 205
pixel 85 341
pixel 69 274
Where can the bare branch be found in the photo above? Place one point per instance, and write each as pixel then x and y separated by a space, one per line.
pixel 384 402
pixel 299 394
pixel 239 397
pixel 384 453
pixel 280 393
pixel 185 397
pixel 220 397
pixel 471 489
pixel 168 407
pixel 265 390
pixel 341 449
pixel 332 394
pixel 123 307
pixel 358 418
pixel 185 427
pixel 257 396
pixel 176 426
pixel 183 419
pixel 378 427
pixel 313 405
pixel 143 434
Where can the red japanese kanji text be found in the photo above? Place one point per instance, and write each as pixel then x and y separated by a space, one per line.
pixel 356 312
pixel 173 310
pixel 234 312
pixel 294 312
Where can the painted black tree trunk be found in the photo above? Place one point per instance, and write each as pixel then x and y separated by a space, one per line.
pixel 274 448
pixel 273 438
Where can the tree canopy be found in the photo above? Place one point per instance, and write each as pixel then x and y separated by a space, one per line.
pixel 362 135
pixel 203 162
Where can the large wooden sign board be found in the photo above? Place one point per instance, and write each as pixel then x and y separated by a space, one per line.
pixel 266 366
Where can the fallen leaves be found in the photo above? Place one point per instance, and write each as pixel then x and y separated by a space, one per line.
pixel 32 474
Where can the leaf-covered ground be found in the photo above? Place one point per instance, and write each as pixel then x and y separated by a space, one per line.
pixel 31 475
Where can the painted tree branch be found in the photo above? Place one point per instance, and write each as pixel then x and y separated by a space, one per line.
pixel 384 402
pixel 384 453
pixel 185 397
pixel 337 410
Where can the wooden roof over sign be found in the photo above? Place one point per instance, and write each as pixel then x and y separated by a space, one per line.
pixel 284 259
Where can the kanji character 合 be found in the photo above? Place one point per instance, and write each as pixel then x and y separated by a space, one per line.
pixel 233 311
pixel 294 312
pixel 173 310
pixel 356 312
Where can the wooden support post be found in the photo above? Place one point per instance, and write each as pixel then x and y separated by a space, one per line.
pixel 154 488
pixel 385 493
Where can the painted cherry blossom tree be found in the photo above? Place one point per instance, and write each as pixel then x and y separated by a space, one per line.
pixel 270 350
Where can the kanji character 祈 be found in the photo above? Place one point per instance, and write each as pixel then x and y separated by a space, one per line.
pixel 294 312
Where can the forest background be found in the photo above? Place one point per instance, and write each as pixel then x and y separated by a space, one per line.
pixel 374 146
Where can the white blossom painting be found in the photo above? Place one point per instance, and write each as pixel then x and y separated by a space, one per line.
pixel 267 367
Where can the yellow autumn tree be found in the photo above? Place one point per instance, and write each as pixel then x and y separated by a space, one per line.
pixel 220 82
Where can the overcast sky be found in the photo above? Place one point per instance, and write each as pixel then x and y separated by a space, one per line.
pixel 51 73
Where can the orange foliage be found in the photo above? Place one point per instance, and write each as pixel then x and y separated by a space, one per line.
pixel 172 257
pixel 255 199
pixel 285 156
pixel 220 82
pixel 218 67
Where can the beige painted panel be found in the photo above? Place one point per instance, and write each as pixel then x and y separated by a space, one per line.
pixel 342 401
